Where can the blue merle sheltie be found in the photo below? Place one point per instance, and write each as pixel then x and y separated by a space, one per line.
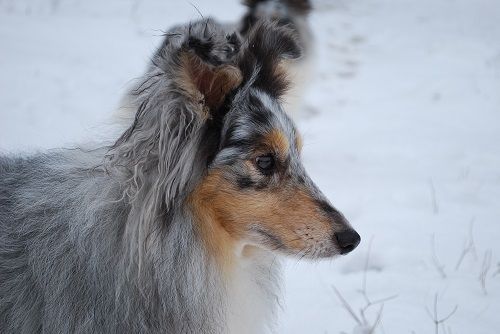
pixel 177 225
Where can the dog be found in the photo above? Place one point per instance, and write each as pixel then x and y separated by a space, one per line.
pixel 294 14
pixel 177 225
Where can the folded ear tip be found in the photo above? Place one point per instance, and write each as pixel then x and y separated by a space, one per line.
pixel 278 39
pixel 207 40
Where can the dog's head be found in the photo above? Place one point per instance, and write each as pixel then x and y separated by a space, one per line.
pixel 210 132
pixel 282 12
pixel 255 190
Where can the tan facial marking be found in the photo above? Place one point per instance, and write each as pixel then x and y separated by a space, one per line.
pixel 278 141
pixel 203 201
pixel 226 215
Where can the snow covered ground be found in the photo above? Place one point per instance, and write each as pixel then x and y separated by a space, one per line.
pixel 402 132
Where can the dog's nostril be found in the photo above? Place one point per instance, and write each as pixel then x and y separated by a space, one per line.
pixel 347 240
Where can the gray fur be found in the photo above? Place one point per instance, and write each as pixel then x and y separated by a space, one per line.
pixel 100 241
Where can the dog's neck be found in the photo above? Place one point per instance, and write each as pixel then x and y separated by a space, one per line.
pixel 252 291
pixel 250 276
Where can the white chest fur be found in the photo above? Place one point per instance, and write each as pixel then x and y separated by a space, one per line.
pixel 253 294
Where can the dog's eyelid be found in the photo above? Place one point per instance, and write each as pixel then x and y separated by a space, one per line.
pixel 266 163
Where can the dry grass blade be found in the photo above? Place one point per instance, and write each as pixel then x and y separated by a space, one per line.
pixel 434 316
pixel 346 305
pixel 485 268
pixel 469 247
pixel 439 267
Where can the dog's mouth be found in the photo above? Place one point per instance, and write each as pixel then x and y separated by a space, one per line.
pixel 305 244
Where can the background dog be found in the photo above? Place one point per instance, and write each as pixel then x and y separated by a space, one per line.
pixel 295 15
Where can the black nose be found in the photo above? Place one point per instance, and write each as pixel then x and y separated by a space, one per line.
pixel 347 240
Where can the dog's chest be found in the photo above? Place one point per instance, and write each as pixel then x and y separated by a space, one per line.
pixel 252 297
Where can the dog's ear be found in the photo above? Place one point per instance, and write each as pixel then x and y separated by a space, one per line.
pixel 264 55
pixel 304 5
pixel 207 65
pixel 268 40
pixel 207 84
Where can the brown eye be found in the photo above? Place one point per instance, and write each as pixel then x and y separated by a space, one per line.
pixel 265 163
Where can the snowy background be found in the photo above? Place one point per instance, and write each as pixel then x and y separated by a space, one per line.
pixel 401 126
